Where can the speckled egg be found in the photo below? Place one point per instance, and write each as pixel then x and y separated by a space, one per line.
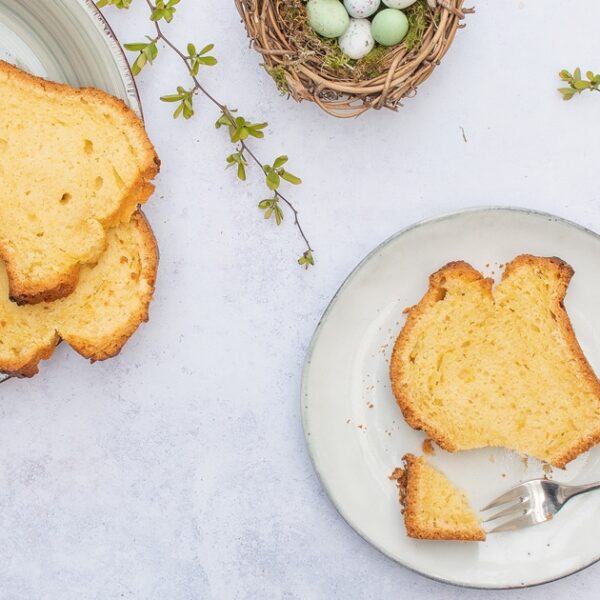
pixel 398 3
pixel 389 27
pixel 361 9
pixel 328 18
pixel 358 40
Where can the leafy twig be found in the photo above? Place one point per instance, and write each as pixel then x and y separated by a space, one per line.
pixel 240 130
pixel 577 84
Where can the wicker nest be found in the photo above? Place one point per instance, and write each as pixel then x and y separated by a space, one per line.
pixel 309 67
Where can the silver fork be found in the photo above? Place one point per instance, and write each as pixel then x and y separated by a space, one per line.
pixel 533 502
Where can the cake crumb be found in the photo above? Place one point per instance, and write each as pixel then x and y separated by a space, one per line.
pixel 396 474
pixel 503 474
pixel 428 447
pixel 347 421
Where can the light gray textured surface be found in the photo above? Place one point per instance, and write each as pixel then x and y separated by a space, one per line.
pixel 179 469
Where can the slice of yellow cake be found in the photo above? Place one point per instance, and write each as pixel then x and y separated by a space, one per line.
pixel 433 508
pixel 73 164
pixel 108 305
pixel 476 367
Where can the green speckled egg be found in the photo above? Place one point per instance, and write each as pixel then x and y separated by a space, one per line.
pixel 389 27
pixel 328 18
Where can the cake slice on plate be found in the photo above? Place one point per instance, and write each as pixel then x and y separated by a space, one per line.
pixel 433 508
pixel 476 366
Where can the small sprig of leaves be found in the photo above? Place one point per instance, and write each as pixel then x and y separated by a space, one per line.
pixel 241 131
pixel 577 84
pixel 164 9
pixel 147 53
pixel 185 98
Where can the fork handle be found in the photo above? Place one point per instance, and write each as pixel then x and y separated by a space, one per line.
pixel 575 490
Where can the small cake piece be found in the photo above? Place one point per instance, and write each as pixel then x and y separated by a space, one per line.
pixel 73 164
pixel 433 508
pixel 108 305
pixel 476 366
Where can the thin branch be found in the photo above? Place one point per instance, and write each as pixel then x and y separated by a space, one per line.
pixel 198 87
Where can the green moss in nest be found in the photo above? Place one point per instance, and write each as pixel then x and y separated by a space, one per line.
pixel 335 59
pixel 278 75
pixel 372 64
pixel 293 14
pixel 418 15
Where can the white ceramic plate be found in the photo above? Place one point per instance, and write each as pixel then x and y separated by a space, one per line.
pixel 355 448
pixel 67 41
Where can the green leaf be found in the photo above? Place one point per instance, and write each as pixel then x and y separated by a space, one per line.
pixel 565 75
pixel 135 47
pixel 241 172
pixel 209 61
pixel 290 178
pixel 256 134
pixel 223 121
pixel 254 129
pixel 280 161
pixel 278 214
pixel 138 64
pixel 206 49
pixel 265 203
pixel 567 93
pixel 191 50
pixel 577 74
pixel 582 85
pixel 171 98
pixel 273 180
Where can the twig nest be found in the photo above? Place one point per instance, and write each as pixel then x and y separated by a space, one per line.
pixel 349 76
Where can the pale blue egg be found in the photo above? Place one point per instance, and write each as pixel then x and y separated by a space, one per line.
pixel 389 27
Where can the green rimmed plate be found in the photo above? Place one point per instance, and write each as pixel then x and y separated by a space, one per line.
pixel 67 41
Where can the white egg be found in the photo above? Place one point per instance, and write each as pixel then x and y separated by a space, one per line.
pixel 358 40
pixel 361 9
pixel 399 3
